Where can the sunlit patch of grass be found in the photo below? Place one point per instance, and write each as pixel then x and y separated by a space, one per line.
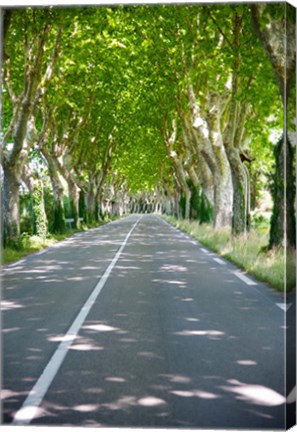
pixel 247 252
pixel 27 244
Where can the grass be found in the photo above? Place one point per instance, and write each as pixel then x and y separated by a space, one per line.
pixel 247 252
pixel 27 244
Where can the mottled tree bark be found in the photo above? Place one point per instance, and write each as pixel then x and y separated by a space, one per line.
pixel 279 41
pixel 10 205
pixel 208 141
pixel 283 225
pixel 90 201
pixel 40 217
pixel 23 117
pixel 74 191
pixel 179 171
pixel 240 189
pixel 59 224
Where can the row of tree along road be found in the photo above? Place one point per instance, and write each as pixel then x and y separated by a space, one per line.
pixel 183 109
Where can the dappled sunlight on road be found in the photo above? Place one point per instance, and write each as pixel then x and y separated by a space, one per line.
pixel 181 379
pixel 255 394
pixel 86 408
pixel 195 393
pixel 148 394
pixel 150 401
pixel 100 328
pixel 40 288
pixel 199 333
pixel 9 305
pixel 119 371
pixel 246 362
pixel 8 394
pixel 150 355
pixel 173 268
pixel 115 379
pixel 170 282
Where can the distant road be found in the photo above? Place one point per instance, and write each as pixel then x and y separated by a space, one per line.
pixel 135 324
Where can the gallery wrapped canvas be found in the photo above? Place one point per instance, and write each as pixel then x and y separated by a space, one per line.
pixel 148 224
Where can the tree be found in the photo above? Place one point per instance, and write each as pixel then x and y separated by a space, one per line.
pixel 275 26
pixel 160 105
pixel 33 42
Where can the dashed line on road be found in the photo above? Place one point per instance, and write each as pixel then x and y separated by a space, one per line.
pixel 238 273
pixel 41 252
pixel 29 409
pixel 244 278
pixel 16 263
pixel 220 261
pixel 284 306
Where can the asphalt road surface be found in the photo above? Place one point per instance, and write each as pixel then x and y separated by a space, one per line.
pixel 135 324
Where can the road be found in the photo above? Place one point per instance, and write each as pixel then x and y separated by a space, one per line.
pixel 135 324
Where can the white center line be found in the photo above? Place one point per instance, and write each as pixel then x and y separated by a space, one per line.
pixel 30 406
pixel 244 278
pixel 204 250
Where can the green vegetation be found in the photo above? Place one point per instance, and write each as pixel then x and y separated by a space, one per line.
pixel 247 252
pixel 28 244
pixel 169 108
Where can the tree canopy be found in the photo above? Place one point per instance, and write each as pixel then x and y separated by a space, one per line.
pixel 152 104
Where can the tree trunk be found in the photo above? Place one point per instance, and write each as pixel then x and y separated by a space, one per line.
pixel 282 231
pixel 248 197
pixel 58 222
pixel 239 182
pixel 83 206
pixel 176 205
pixel 99 206
pixel 13 163
pixel 208 142
pixel 40 219
pixel 74 203
pixel 278 38
pixel 11 217
pixel 188 204
pixel 91 207
pixel 222 202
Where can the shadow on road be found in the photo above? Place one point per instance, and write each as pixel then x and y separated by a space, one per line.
pixel 164 347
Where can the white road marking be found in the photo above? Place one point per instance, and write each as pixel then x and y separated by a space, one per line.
pixel 244 278
pixel 218 260
pixel 284 306
pixel 237 273
pixel 16 263
pixel 30 406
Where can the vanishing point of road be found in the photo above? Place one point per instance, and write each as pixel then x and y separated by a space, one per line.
pixel 135 324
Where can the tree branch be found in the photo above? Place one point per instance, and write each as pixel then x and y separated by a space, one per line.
pixel 220 30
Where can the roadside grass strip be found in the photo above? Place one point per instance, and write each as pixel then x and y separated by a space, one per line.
pixel 249 253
